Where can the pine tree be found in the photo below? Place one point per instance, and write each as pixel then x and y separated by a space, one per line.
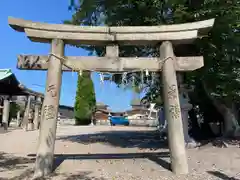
pixel 85 101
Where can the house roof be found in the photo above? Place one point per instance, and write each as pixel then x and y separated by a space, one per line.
pixel 9 85
pixel 136 102
pixel 109 111
pixel 137 109
pixel 30 92
pixel 101 104
pixel 66 107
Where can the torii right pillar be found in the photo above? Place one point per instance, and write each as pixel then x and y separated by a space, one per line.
pixel 179 164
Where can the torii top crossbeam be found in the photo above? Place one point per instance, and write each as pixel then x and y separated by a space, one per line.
pixel 127 35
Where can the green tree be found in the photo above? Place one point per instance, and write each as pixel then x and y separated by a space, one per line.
pixel 85 102
pixel 219 78
pixel 14 108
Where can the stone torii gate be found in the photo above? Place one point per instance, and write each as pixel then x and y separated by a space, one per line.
pixel 58 35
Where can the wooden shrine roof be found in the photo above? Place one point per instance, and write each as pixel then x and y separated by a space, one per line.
pixel 9 85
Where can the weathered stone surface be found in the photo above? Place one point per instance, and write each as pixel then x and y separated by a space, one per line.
pixel 43 32
pixel 172 109
pixel 45 152
pixel 111 64
pixel 20 24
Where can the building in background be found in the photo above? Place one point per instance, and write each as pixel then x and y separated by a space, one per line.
pixel 66 112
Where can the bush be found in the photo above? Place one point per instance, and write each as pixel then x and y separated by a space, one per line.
pixel 14 108
pixel 85 101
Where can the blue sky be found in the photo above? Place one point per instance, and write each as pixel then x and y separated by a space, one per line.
pixel 14 43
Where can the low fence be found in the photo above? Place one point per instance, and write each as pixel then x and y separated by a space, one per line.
pixel 133 122
pixel 66 121
pixel 143 122
pixel 103 122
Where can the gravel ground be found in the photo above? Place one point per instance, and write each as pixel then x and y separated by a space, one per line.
pixel 112 153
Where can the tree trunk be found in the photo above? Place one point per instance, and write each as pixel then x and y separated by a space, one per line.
pixel 231 126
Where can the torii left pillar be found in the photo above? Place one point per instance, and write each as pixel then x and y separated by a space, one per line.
pixel 45 154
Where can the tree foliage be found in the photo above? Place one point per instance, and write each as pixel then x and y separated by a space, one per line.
pixel 85 102
pixel 220 48
pixel 217 80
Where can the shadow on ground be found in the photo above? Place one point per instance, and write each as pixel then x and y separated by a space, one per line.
pixel 9 162
pixel 221 175
pixel 124 139
pixel 2 131
pixel 153 156
pixel 81 175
